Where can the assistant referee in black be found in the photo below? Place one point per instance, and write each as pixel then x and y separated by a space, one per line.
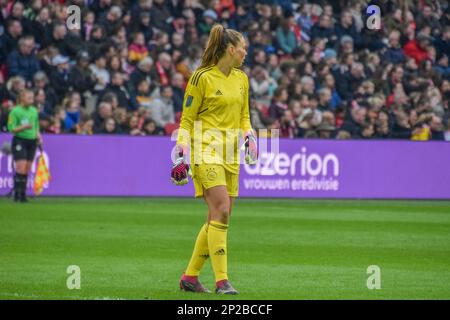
pixel 23 122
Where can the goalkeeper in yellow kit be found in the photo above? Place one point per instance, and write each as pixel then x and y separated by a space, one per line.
pixel 215 113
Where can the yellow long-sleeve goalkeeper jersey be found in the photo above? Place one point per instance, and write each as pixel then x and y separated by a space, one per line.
pixel 215 111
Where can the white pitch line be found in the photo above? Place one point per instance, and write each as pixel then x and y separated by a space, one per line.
pixel 33 296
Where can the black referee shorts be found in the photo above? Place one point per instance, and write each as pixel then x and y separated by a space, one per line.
pixel 23 149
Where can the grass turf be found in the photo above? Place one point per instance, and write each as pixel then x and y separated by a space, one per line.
pixel 136 248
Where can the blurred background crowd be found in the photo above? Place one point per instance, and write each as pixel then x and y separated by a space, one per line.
pixel 315 69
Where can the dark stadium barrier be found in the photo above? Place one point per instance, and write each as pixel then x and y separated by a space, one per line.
pixel 140 166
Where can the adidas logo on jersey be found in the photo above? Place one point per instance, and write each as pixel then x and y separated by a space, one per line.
pixel 219 93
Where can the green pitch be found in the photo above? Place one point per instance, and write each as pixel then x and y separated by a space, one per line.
pixel 130 248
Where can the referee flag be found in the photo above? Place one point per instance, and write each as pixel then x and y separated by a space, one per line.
pixel 42 176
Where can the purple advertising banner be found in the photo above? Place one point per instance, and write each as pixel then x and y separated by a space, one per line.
pixel 140 166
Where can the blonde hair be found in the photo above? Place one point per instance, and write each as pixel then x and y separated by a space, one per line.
pixel 22 93
pixel 218 41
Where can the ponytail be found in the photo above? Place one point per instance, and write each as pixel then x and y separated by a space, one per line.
pixel 218 41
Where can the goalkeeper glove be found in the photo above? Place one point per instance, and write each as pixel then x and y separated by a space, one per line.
pixel 250 148
pixel 180 170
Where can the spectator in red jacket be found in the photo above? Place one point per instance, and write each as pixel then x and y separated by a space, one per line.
pixel 418 48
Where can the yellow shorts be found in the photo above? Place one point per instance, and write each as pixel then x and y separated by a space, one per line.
pixel 211 175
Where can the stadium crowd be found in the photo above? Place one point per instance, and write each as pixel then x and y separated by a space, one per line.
pixel 315 69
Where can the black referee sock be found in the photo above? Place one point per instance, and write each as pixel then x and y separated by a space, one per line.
pixel 20 185
pixel 24 184
pixel 17 185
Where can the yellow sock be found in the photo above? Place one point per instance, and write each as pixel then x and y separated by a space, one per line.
pixel 200 254
pixel 217 243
